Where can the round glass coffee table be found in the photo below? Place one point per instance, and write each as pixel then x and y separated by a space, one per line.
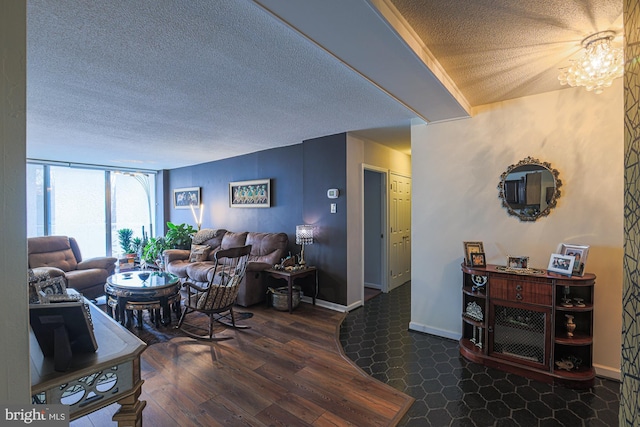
pixel 132 293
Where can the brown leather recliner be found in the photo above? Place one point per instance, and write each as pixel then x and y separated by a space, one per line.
pixel 60 256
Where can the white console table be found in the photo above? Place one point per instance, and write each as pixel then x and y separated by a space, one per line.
pixel 95 380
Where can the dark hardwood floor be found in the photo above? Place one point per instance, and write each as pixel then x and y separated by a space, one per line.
pixel 287 370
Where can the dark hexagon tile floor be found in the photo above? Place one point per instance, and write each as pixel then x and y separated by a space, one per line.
pixel 450 391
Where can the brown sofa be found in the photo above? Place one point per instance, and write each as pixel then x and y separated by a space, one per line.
pixel 60 256
pixel 267 249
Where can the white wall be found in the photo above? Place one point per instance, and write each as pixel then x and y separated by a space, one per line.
pixel 14 352
pixel 456 170
pixel 359 152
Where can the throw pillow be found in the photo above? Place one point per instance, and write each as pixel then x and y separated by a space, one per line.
pixel 199 253
pixel 204 235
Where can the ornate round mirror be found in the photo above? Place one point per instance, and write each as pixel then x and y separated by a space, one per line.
pixel 529 189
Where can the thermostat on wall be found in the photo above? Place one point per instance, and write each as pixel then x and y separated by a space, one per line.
pixel 333 193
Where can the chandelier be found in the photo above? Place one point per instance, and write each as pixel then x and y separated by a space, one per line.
pixel 598 66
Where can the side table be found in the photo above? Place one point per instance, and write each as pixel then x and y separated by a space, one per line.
pixel 292 276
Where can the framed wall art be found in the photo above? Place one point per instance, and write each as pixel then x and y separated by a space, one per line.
pixel 472 248
pixel 561 264
pixel 579 252
pixel 250 194
pixel 184 198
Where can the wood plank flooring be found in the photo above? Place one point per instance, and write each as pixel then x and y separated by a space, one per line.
pixel 287 370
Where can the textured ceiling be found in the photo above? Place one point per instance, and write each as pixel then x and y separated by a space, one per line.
pixel 167 83
pixel 502 49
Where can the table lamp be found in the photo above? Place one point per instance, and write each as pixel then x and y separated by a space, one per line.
pixel 304 236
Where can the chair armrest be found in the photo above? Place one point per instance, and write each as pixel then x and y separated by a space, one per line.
pixel 189 285
pixel 105 263
pixel 175 254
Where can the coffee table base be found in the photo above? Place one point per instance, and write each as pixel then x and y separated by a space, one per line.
pixel 123 310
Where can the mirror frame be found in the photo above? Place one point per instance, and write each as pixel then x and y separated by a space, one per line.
pixel 528 161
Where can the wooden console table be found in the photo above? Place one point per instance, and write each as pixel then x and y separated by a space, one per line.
pixel 94 380
pixel 536 325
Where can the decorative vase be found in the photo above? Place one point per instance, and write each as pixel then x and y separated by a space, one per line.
pixel 570 325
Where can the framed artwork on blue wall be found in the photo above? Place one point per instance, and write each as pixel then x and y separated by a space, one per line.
pixel 184 198
pixel 250 194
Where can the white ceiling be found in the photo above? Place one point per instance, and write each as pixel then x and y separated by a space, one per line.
pixel 162 84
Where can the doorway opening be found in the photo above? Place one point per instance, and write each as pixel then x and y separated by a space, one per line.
pixel 375 236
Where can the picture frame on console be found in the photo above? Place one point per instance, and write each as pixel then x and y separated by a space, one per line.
pixel 184 198
pixel 579 252
pixel 561 264
pixel 472 248
pixel 518 262
pixel 250 194
pixel 478 260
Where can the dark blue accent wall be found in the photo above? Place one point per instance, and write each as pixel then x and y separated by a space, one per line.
pixel 325 163
pixel 300 176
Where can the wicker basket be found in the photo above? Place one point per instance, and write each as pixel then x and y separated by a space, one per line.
pixel 280 297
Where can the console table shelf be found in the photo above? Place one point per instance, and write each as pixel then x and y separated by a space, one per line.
pixel 518 323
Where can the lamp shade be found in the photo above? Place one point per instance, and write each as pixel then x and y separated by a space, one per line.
pixel 304 234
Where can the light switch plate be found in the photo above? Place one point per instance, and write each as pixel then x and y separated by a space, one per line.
pixel 333 208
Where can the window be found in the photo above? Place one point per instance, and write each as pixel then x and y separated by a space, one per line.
pixel 89 204
pixel 131 205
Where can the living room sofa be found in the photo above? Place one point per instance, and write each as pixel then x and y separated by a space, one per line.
pixel 196 265
pixel 60 256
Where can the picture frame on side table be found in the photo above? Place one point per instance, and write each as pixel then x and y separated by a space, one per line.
pixel 472 248
pixel 579 252
pixel 518 262
pixel 478 260
pixel 184 198
pixel 561 264
pixel 250 194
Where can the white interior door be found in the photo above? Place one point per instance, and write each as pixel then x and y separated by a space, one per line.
pixel 399 230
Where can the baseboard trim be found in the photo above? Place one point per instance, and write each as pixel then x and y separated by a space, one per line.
pixel 331 305
pixel 608 372
pixel 373 286
pixel 418 327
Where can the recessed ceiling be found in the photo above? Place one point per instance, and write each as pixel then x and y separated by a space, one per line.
pixel 162 84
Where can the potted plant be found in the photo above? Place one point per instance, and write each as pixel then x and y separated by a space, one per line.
pixel 137 245
pixel 152 251
pixel 124 237
pixel 179 235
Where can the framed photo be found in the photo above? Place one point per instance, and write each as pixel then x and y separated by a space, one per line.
pixel 561 264
pixel 250 194
pixel 580 252
pixel 184 198
pixel 73 320
pixel 472 248
pixel 51 289
pixel 518 261
pixel 478 260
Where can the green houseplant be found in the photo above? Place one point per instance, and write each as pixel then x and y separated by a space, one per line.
pixel 179 235
pixel 153 249
pixel 137 245
pixel 124 238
